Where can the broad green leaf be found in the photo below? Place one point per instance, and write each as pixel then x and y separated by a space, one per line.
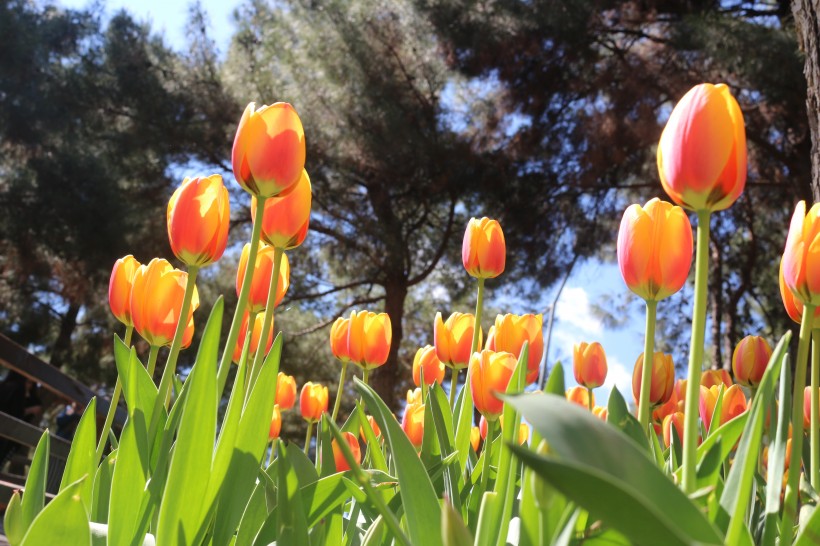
pixel 292 526
pixel 35 492
pixel 82 457
pixel 487 528
pixel 127 490
pixel 443 425
pixel 322 497
pixel 618 415
pixel 13 524
pixel 374 450
pixel 324 448
pixel 182 511
pixel 101 492
pixel 254 516
pixel 606 473
pixel 810 532
pixel 555 382
pixel 63 521
pixel 455 533
pixel 420 502
pixel 777 460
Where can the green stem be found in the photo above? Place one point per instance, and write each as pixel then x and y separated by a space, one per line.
pixel 589 399
pixel 690 427
pixel 112 406
pixel 308 436
pixel 236 323
pixel 488 452
pixel 246 347
pixel 365 375
pixel 267 323
pixel 648 360
pixel 152 360
pixel 815 409
pixel 790 500
pixel 339 391
pixel 453 385
pixel 479 306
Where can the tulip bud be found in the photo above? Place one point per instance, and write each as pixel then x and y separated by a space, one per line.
pixel 475 438
pixel 662 378
pixel 313 401
pixel 801 259
pixel 509 334
pixel 286 217
pixel 256 335
pixel 338 338
pixel 712 378
pixel 427 361
pixel 275 424
pixel 413 423
pixel 454 339
pixel 655 249
pixel 338 455
pixel 198 218
pixel 373 426
pixel 268 153
pixel 490 372
pixel 119 288
pixel 581 396
pixel 484 251
pixel 750 359
pixel 368 339
pixel 702 151
pixel 156 303
pixel 285 391
pixel 589 364
pixel 675 419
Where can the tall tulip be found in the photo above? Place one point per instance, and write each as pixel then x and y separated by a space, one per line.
pixel 509 334
pixel 286 217
pixel 413 423
pixel 256 336
pixel 589 364
pixel 312 404
pixel 368 339
pixel 662 379
pixel 484 251
pixel 262 274
pixel 268 153
pixel 285 391
pixel 119 289
pixel 749 360
pixel 198 218
pixel 454 344
pixel 490 372
pixel 427 361
pixel 702 166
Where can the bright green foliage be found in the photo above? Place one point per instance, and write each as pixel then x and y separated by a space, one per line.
pixel 63 521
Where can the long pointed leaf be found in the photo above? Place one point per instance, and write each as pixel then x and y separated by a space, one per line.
pixel 82 460
pixel 63 521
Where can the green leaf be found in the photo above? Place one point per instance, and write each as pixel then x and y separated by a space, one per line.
pixel 63 521
pixel 35 492
pixel 618 414
pixel 13 524
pixel 323 496
pixel 253 517
pixel 455 533
pixel 555 382
pixel 777 461
pixel 374 450
pixel 606 473
pixel 82 457
pixel 182 511
pixel 127 490
pixel 442 422
pixel 101 492
pixel 292 526
pixel 419 499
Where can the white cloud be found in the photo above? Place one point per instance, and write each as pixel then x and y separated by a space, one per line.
pixel 619 376
pixel 574 310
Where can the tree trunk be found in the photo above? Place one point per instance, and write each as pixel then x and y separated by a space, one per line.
pixel 807 25
pixel 716 295
pixel 61 350
pixel 386 380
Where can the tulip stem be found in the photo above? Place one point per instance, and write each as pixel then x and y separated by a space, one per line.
pixel 152 360
pixel 690 431
pixel 488 452
pixel 453 385
pixel 589 399
pixel 236 323
pixel 338 401
pixel 365 375
pixel 815 409
pixel 112 406
pixel 308 436
pixel 648 365
pixel 267 323
pixel 790 499
pixel 246 346
pixel 479 305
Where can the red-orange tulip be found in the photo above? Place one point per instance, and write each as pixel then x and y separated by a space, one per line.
pixel 338 456
pixel 260 284
pixel 156 303
pixel 750 359
pixel 712 378
pixel 581 396
pixel 275 423
pixel 338 338
pixel 454 339
pixel 484 251
pixel 413 423
pixel 256 335
pixel 589 364
pixel 702 152
pixel 426 360
pixel 285 391
pixel 490 372
pixel 662 378
pixel 793 307
pixel 119 288
pixel 268 153
pixel 286 217
pixel 368 339
pixel 509 334
pixel 374 426
pixel 675 419
pixel 801 258
pixel 198 218
pixel 655 249
pixel 313 401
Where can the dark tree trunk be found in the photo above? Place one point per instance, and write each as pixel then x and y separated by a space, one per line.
pixel 387 379
pixel 61 350
pixel 716 295
pixel 807 24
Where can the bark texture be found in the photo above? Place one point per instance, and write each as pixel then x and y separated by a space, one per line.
pixel 807 25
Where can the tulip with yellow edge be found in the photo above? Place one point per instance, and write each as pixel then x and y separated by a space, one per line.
pixel 286 217
pixel 510 332
pixel 338 346
pixel 413 423
pixel 285 391
pixel 198 218
pixel 589 365
pixel 368 340
pixel 711 378
pixel 426 363
pixel 312 404
pixel 749 360
pixel 673 419
pixel 454 344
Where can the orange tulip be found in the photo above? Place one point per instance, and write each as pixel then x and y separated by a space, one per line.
pixel 600 412
pixel 589 364
pixel 750 359
pixel 674 404
pixel 286 217
pixel 482 427
pixel 509 334
pixel 285 391
pixel 198 217
pixel 427 360
pixel 801 258
pixel 662 378
pixel 702 151
pixel 256 335
pixel 475 438
pixel 673 419
pixel 484 251
pixel 156 303
pixel 413 423
pixel 275 423
pixel 119 288
pixel 338 338
pixel 793 307
pixel 734 404
pixel 490 372
pixel 368 339
pixel 454 339
pixel 716 377
pixel 268 153
pixel 655 249
pixel 313 401
pixel 414 396
pixel 260 284
pixel 581 396
pixel 338 456
pixel 373 426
